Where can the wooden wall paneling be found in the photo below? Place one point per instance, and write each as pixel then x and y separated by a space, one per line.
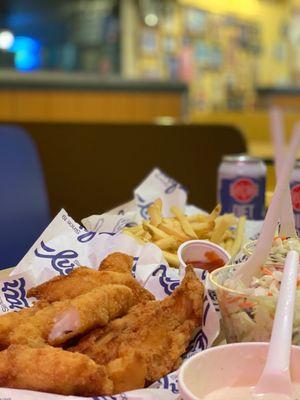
pixel 88 106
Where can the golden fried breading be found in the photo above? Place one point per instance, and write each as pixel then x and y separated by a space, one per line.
pixel 10 320
pixel 49 369
pixel 128 372
pixel 61 321
pixel 117 262
pixel 81 280
pixel 159 330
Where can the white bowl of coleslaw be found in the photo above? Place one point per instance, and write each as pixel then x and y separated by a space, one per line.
pixel 248 312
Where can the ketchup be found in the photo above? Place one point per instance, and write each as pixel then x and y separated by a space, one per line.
pixel 212 262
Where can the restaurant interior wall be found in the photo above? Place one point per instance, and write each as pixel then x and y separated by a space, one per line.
pixel 275 70
pixel 223 49
pixel 272 16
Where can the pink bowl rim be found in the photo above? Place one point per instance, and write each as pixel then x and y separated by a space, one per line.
pixel 183 389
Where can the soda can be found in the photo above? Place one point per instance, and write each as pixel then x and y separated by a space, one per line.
pixel 295 194
pixel 241 186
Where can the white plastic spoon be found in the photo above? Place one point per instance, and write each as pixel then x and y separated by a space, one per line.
pixel 277 133
pixel 276 378
pixel 249 268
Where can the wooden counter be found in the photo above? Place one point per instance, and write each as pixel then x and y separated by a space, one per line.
pixel 78 97
pixel 286 97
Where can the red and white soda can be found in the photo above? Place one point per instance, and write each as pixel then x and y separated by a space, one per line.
pixel 241 186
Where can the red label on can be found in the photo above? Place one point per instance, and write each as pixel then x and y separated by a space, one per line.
pixel 243 190
pixel 296 197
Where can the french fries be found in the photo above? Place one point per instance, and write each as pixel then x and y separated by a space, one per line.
pixel 185 225
pixel 222 224
pixel 169 233
pixel 154 212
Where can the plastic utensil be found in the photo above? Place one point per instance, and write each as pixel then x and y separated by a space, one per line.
pixel 277 133
pixel 249 268
pixel 276 374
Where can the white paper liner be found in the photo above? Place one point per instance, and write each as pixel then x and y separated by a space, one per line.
pixel 65 245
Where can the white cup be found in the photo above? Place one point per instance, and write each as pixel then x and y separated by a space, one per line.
pixel 195 250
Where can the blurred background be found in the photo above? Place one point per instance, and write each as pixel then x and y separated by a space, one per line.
pixel 98 82
pixel 234 57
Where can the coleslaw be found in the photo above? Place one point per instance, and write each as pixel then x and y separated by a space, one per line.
pixel 248 312
pixel 280 247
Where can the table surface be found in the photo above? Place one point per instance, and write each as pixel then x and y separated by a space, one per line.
pixel 85 81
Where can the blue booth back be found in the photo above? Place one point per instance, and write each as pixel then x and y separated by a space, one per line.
pixel 24 207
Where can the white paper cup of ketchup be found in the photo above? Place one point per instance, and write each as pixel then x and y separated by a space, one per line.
pixel 202 254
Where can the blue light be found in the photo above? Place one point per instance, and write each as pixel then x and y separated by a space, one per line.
pixel 27 53
pixel 26 61
pixel 24 43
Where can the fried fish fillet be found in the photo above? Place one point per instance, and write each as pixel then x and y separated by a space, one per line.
pixel 10 320
pixel 81 280
pixel 117 262
pixel 158 331
pixel 63 320
pixel 49 369
pixel 127 372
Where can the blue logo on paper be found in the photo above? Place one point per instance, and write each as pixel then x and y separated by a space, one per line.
pixel 213 296
pixel 143 206
pixel 135 261
pixel 200 342
pixel 240 258
pixel 169 384
pixel 15 294
pixel 121 224
pixel 168 284
pixel 59 261
pixel 86 237
pixel 206 309
pixel 172 187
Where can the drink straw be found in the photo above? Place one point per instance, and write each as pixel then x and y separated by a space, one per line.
pixel 249 268
pixel 277 134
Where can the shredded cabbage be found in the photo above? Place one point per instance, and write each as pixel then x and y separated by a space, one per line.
pixel 248 312
pixel 280 247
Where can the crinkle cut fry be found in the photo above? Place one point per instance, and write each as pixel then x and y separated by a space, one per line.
pixel 82 280
pixel 52 370
pixel 61 321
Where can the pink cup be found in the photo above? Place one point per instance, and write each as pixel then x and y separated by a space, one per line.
pixel 238 364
